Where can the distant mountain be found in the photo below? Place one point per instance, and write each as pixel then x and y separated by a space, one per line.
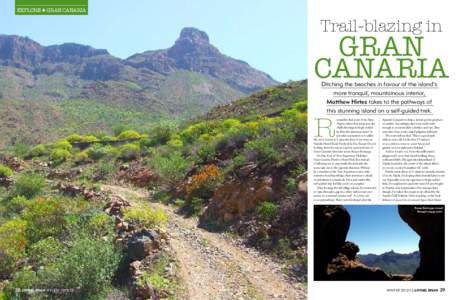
pixel 183 81
pixel 392 262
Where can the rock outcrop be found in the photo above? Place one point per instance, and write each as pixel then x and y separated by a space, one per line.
pixel 234 199
pixel 331 224
pixel 428 222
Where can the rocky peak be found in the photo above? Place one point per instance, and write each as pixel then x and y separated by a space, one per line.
pixel 194 36
pixel 20 51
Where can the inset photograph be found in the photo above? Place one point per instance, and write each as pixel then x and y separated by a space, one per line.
pixel 379 242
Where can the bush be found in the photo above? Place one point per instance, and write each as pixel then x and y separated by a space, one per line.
pixel 5 171
pixel 129 134
pixel 145 216
pixel 45 218
pixel 194 206
pixel 62 145
pixel 97 152
pixel 267 210
pixel 207 152
pixel 20 150
pixel 162 133
pixel 12 245
pixel 45 251
pixel 156 277
pixel 60 155
pixel 89 265
pixel 300 106
pixel 175 144
pixel 99 225
pixel 171 168
pixel 129 151
pixel 38 151
pixel 118 129
pixel 205 182
pixel 193 132
pixel 17 204
pixel 28 185
pixel 81 157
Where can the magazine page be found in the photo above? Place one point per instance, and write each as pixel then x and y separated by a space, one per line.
pixel 153 149
pixel 382 162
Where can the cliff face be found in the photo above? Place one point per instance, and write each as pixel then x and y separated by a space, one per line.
pixel 428 222
pixel 331 227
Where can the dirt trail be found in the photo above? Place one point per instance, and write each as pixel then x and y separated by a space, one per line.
pixel 213 267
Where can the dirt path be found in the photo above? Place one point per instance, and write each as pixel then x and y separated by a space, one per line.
pixel 213 267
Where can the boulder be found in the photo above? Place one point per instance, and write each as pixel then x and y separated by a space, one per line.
pixel 350 249
pixel 428 221
pixel 142 243
pixel 343 268
pixel 302 183
pixel 236 198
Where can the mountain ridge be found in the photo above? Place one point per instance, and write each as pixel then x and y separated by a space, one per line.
pixel 392 262
pixel 192 51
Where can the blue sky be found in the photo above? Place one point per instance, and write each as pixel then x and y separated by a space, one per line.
pixel 268 34
pixel 378 229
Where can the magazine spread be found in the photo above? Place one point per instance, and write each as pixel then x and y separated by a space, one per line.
pixel 381 121
pixel 229 150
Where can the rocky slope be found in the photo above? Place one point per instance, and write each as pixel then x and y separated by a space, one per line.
pixel 181 82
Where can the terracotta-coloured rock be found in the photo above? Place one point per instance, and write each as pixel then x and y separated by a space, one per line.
pixel 236 198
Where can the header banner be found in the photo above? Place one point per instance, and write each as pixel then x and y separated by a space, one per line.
pixel 51 7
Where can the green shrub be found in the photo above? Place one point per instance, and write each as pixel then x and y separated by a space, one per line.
pixel 5 171
pixel 145 216
pixel 12 245
pixel 89 138
pixel 74 138
pixel 28 185
pixel 291 185
pixel 89 265
pixel 37 151
pixel 171 167
pixel 162 133
pixel 45 251
pixel 175 144
pixel 193 132
pixel 23 279
pixel 62 145
pixel 129 151
pixel 156 277
pixel 118 129
pixel 207 152
pixel 129 134
pixel 45 218
pixel 300 106
pixel 267 210
pixel 194 206
pixel 60 155
pixel 81 157
pixel 17 204
pixel 97 151
pixel 99 225
pixel 263 151
pixel 20 150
